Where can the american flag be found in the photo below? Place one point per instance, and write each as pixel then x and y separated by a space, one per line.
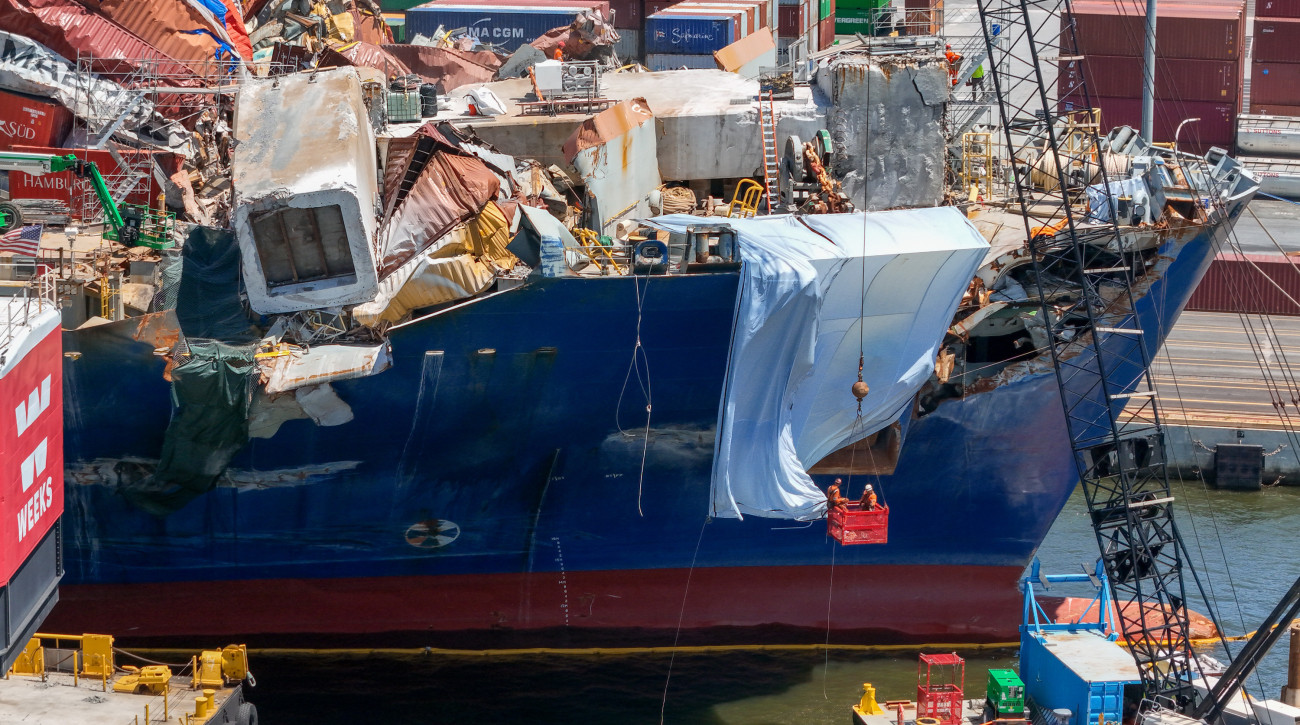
pixel 24 240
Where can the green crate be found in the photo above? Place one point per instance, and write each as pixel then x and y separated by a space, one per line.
pixel 1006 693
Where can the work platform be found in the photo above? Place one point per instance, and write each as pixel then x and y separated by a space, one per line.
pixel 60 699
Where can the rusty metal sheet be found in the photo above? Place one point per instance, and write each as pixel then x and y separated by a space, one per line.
pixel 70 29
pixel 451 187
pixel 607 126
pixel 449 68
pixel 163 24
pixel 736 56
pixel 369 55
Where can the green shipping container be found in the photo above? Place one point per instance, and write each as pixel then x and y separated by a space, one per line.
pixel 856 16
pixel 824 9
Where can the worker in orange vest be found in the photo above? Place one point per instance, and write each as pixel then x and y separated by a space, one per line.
pixel 954 63
pixel 869 501
pixel 559 52
pixel 834 500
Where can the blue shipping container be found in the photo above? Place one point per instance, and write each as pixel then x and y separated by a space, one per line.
pixel 687 34
pixel 674 61
pixel 505 27
pixel 1078 671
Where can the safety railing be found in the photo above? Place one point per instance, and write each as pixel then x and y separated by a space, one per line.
pixel 36 294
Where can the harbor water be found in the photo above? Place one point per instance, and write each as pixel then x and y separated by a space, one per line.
pixel 1243 545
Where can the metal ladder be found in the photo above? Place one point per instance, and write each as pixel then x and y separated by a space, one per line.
pixel 767 131
pixel 1083 276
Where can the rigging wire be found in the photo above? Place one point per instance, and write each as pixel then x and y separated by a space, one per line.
pixel 639 359
pixel 681 615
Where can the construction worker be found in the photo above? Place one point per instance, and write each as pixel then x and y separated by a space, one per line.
pixel 977 82
pixel 834 500
pixel 954 63
pixel 869 501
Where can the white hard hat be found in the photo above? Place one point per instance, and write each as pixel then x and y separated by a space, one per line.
pixel 868 487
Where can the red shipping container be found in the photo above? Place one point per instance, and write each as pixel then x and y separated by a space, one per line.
pixel 655 6
pixel 826 32
pixel 1275 83
pixel 60 186
pixel 1209 32
pixel 602 5
pixel 1217 125
pixel 25 120
pixel 1236 283
pixel 1277 40
pixel 789 21
pixel 1277 9
pixel 1177 79
pixel 1272 109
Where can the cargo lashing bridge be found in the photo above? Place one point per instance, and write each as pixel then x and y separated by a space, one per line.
pixel 1095 341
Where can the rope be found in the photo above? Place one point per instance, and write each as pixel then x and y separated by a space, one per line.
pixel 677 199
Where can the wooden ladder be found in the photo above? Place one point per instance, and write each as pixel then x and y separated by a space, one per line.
pixel 767 129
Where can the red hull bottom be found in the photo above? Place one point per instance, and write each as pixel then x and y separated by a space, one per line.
pixel 733 605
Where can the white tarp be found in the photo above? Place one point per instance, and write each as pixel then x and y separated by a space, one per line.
pixel 814 291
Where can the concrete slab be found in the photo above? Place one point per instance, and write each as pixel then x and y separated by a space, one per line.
pixel 305 177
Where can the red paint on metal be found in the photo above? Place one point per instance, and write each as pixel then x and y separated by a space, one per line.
pixel 1241 283
pixel 1177 79
pixel 31 451
pixel 1217 125
pixel 891 603
pixel 1187 30
pixel 1277 9
pixel 1274 109
pixel 1275 83
pixel 1277 40
pixel 26 120
pixel 70 29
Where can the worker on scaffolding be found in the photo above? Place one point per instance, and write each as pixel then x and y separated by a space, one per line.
pixel 835 501
pixel 869 502
pixel 954 63
pixel 977 82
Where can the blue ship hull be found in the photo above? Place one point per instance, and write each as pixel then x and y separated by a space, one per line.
pixel 496 488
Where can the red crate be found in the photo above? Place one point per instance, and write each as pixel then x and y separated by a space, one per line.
pixel 855 526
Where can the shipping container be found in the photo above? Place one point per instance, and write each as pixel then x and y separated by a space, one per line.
pixel 1279 177
pixel 826 32
pixel 1277 9
pixel 1216 127
pixel 1077 671
pixel 1274 109
pixel 670 33
pixel 628 46
pixel 1177 79
pixel 603 6
pixel 674 61
pixel 61 186
pixel 858 16
pixel 1207 32
pixel 750 13
pixel 506 27
pixel 736 18
pixel 1237 283
pixel 1277 40
pixel 1275 83
pixel 30 121
pixel 790 23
